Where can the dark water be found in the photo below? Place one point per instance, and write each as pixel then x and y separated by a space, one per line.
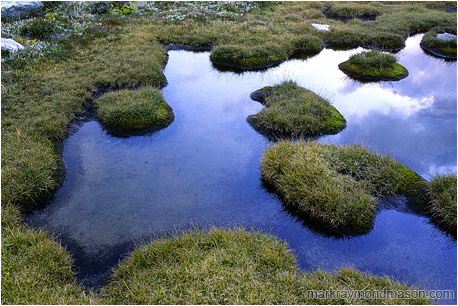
pixel 204 168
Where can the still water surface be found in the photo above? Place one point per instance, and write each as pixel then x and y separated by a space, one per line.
pixel 204 168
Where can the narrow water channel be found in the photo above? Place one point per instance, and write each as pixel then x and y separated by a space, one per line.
pixel 203 169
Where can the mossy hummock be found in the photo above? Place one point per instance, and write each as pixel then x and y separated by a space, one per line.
pixel 248 57
pixel 374 66
pixel 337 186
pixel 222 266
pixel 442 191
pixel 293 111
pixel 133 112
pixel 445 48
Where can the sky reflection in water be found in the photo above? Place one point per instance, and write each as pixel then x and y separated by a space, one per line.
pixel 204 168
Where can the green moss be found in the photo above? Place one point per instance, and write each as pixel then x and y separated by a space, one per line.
pixel 36 269
pixel 247 57
pixel 230 267
pixel 439 47
pixel 348 10
pixel 337 186
pixel 307 44
pixel 133 111
pixel 29 169
pixel 295 111
pixel 40 99
pixel 374 65
pixel 443 201
pixel 39 28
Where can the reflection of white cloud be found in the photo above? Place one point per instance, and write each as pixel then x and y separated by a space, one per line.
pixel 374 98
pixel 440 170
pixel 419 76
pixel 417 141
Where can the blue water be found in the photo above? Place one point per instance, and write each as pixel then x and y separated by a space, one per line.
pixel 203 169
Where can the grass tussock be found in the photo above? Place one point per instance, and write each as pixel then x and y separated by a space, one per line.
pixel 230 267
pixel 248 57
pixel 287 22
pixel 36 269
pixel 443 201
pixel 337 186
pixel 439 47
pixel 133 111
pixel 374 65
pixel 291 110
pixel 350 10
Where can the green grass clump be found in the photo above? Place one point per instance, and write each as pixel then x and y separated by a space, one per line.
pixel 230 267
pixel 28 175
pixel 439 47
pixel 443 201
pixel 307 44
pixel 351 10
pixel 133 111
pixel 248 57
pixel 337 186
pixel 36 269
pixel 291 110
pixel 40 28
pixel 374 65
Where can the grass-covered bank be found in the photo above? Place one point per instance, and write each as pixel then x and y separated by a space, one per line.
pixel 41 96
pixel 337 186
pixel 231 267
pixel 47 86
pixel 374 66
pixel 287 25
pixel 441 47
pixel 443 201
pixel 292 111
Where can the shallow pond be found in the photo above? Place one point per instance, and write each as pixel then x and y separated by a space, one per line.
pixel 203 169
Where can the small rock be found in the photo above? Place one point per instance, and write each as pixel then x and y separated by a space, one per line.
pixel 321 27
pixel 260 95
pixel 11 45
pixel 20 9
pixel 446 36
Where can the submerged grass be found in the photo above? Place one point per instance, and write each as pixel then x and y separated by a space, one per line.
pixel 291 110
pixel 374 65
pixel 230 267
pixel 337 186
pixel 134 111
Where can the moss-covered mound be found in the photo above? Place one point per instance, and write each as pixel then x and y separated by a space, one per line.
pixel 347 10
pixel 291 110
pixel 443 201
pixel 35 269
pixel 249 57
pixel 374 66
pixel 231 267
pixel 134 111
pixel 438 46
pixel 337 186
